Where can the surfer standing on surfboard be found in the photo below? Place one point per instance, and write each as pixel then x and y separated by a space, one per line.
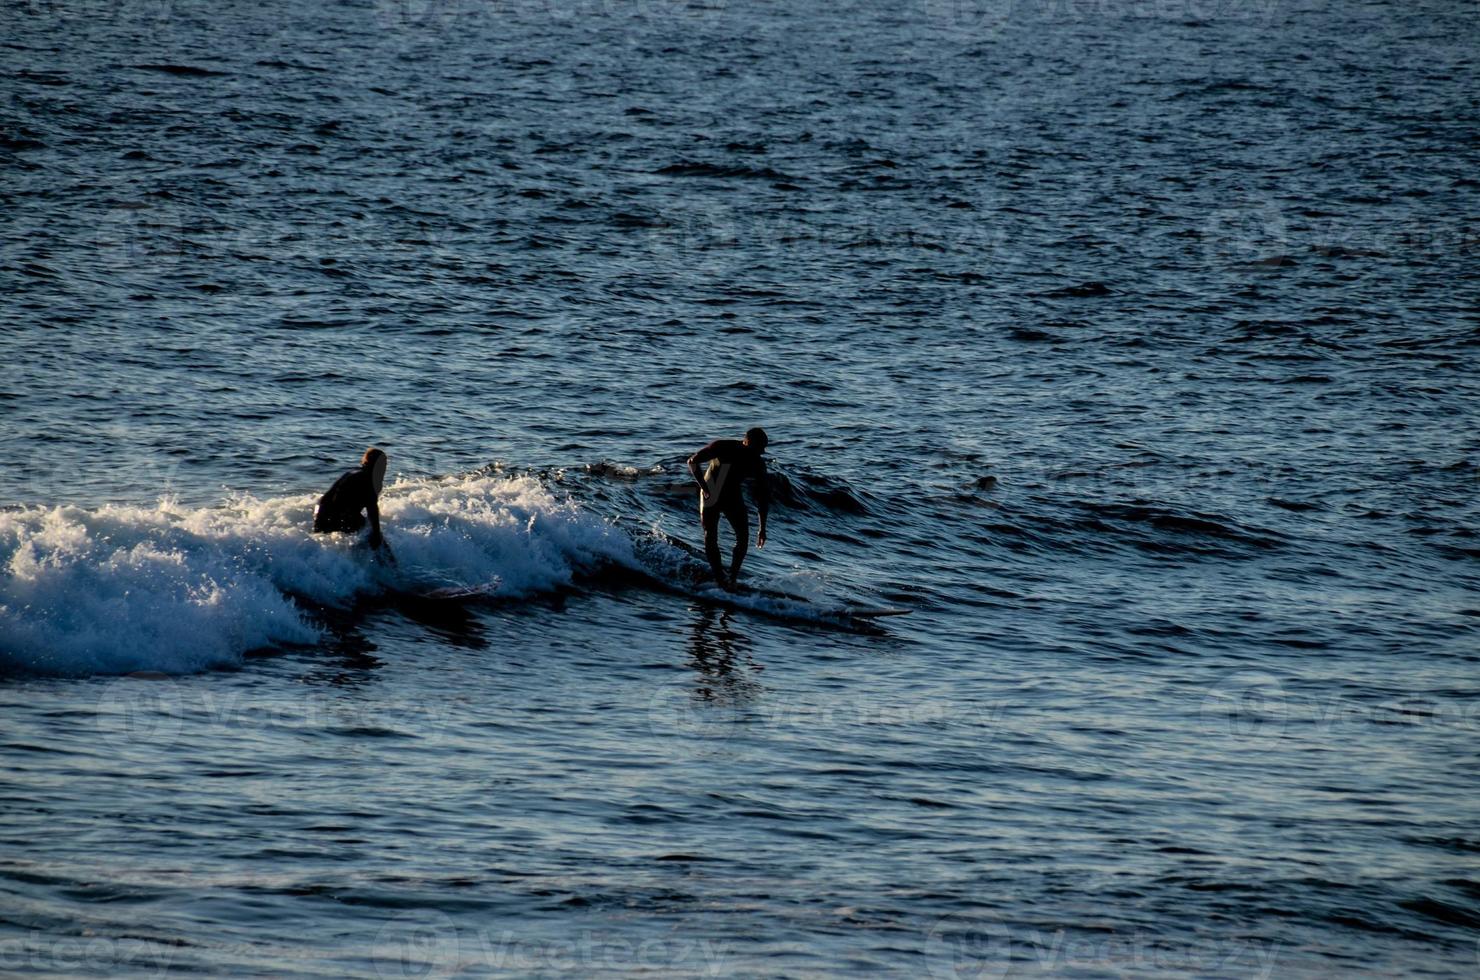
pixel 356 491
pixel 728 464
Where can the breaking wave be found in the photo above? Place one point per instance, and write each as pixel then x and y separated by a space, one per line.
pixel 118 589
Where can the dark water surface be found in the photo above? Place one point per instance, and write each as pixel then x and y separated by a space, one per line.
pixel 1133 346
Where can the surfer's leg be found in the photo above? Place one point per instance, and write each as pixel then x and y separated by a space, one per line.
pixel 710 519
pixel 740 524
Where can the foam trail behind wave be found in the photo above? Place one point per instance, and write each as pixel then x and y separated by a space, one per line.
pixel 172 589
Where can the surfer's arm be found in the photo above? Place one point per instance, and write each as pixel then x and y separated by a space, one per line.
pixel 699 459
pixel 372 510
pixel 761 488
pixel 376 541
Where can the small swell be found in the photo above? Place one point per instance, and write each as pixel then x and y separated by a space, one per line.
pixel 811 491
pixel 183 71
pixel 687 168
pixel 1192 524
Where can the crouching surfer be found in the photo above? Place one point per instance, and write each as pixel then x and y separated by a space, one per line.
pixel 353 496
pixel 729 463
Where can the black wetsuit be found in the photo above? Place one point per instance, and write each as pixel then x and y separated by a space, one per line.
pixel 340 508
pixel 728 464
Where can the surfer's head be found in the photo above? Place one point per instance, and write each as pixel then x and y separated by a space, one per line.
pixel 756 439
pixel 375 460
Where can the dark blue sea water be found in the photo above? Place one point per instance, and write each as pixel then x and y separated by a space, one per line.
pixel 1131 345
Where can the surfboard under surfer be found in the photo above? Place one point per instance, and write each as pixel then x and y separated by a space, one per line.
pixel 728 463
pixel 353 496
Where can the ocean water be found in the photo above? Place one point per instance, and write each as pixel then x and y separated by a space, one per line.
pixel 1132 346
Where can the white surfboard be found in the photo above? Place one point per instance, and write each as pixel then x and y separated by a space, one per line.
pixel 871 612
pixel 799 602
pixel 455 592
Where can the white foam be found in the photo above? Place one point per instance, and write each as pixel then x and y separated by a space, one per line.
pixel 172 589
pixel 470 530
